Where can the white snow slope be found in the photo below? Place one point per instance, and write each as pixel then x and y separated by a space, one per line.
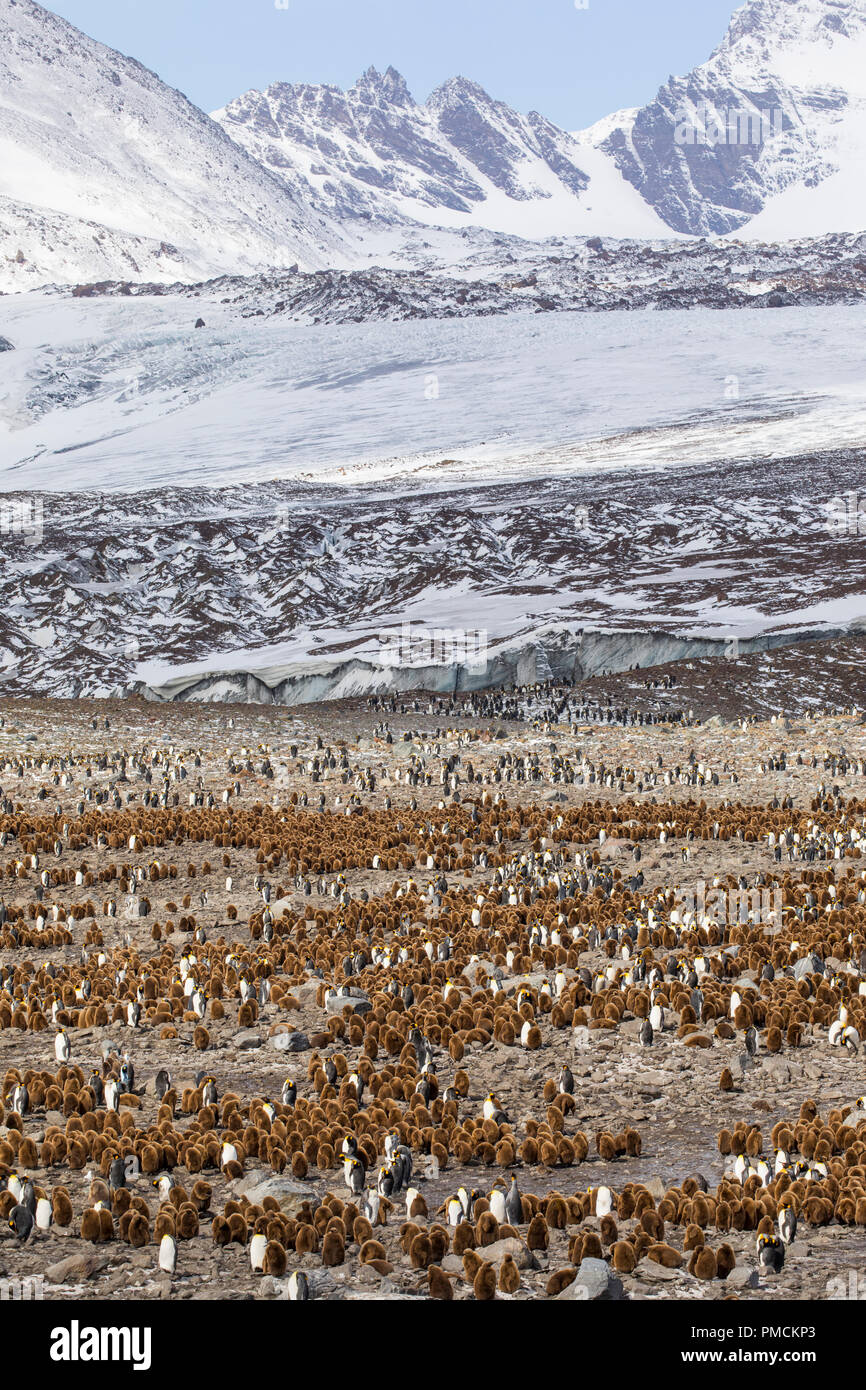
pixel 123 393
pixel 90 137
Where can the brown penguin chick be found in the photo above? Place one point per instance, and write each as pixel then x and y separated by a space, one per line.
pixel 537 1236
pixel 486 1229
pixel 165 1224
pixel 556 1212
pixel 187 1222
pixel 509 1276
pixel 700 1210
pixel 306 1239
pixel 61 1207
pixel 408 1231
pixel 439 1242
pixel 418 1207
pixel 464 1238
pixel 605 1146
pixel 726 1080
pixel 472 1262
pixel 361 1230
pixel 641 1242
pixel 703 1263
pixel 504 1154
pixel 726 1260
pixel 591 1248
pixel 439 1284
pixel 371 1250
pixel 623 1257
pixel 201 1195
pixel 559 1280
pixel 693 1238
pixel 121 1201
pixel 138 1230
pixel 608 1230
pixel 275 1259
pixel 484 1283
pixel 633 1142
pixel 580 1144
pixel 333 1249
pixel 106 1224
pixel 665 1255
pixel 653 1224
pixel 238 1228
pixel 221 1231
pixel 420 1251
pixel 91 1228
pixel 99 1191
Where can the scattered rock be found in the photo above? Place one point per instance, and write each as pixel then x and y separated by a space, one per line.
pixel 291 1042
pixel 289 1193
pixel 360 1002
pixel 595 1281
pixel 74 1268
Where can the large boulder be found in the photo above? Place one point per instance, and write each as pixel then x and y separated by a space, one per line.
pixel 290 1042
pixel 595 1280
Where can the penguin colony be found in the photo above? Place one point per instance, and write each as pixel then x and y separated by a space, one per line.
pixel 318 1009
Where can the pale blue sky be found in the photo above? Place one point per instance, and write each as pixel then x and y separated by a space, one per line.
pixel 573 65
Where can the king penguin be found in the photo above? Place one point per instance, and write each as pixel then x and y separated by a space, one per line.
pixel 299 1287
pixel 771 1253
pixel 787 1223
pixel 514 1203
pixel 168 1254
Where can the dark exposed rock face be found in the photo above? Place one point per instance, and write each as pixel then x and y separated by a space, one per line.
pixel 714 146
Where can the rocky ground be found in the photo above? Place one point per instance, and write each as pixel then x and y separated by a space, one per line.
pixel 668 1092
pixel 501 274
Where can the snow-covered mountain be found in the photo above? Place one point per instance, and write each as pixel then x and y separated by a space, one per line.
pixel 768 137
pixel 105 172
pixel 108 174
pixel 460 159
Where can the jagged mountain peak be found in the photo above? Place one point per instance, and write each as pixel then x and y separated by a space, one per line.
pixel 774 21
pixel 457 91
pixel 389 86
pixel 374 153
